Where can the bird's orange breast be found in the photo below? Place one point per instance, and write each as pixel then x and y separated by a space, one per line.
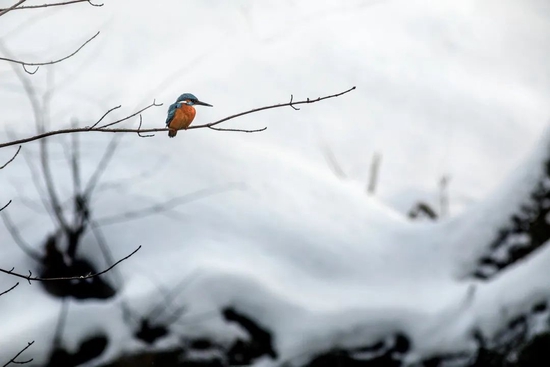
pixel 183 117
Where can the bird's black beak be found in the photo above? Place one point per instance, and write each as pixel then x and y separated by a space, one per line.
pixel 202 103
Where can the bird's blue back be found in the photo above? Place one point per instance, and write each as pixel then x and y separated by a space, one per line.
pixel 171 112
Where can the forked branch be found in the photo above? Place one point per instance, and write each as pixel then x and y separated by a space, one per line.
pixel 87 276
pixel 17 7
pixel 26 64
pixel 107 128
pixel 14 361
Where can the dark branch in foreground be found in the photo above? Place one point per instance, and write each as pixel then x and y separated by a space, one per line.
pixel 11 159
pixel 5 206
pixel 13 360
pixel 106 128
pixel 13 7
pixel 88 276
pixel 38 64
pixel 9 290
pixel 16 7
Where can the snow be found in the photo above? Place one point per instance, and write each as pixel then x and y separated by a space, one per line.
pixel 443 88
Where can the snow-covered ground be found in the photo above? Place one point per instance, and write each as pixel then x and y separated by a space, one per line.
pixel 457 88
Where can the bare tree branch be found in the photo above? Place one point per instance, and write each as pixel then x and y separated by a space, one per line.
pixel 38 64
pixel 5 206
pixel 23 245
pixel 9 290
pixel 88 276
pixel 42 119
pixel 13 7
pixel 105 115
pixel 333 162
pixel 39 118
pixel 154 104
pixel 239 130
pixel 105 128
pixel 166 205
pixel 17 7
pixel 374 169
pixel 11 159
pixel 101 166
pixel 13 360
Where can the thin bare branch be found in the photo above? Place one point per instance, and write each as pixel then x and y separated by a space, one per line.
pixel 239 130
pixel 9 290
pixel 307 101
pixel 75 170
pixel 374 169
pixel 139 128
pixel 105 250
pixel 169 298
pixel 87 276
pixel 291 105
pixel 5 206
pixel 41 122
pixel 38 64
pixel 19 241
pixel 333 162
pixel 39 116
pixel 11 159
pixel 13 360
pixel 36 180
pixel 15 7
pixel 154 104
pixel 166 205
pixel 101 166
pixel 61 322
pixel 105 129
pixel 104 115
pixel 123 182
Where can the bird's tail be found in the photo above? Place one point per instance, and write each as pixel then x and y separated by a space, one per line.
pixel 172 133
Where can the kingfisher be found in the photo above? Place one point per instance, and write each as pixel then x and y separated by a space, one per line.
pixel 181 113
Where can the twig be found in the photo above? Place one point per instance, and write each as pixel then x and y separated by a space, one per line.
pixel 38 64
pixel 101 166
pixel 75 169
pixel 171 297
pixel 105 250
pixel 239 130
pixel 307 101
pixel 5 206
pixel 13 360
pixel 104 128
pixel 48 5
pixel 374 169
pixel 61 321
pixel 11 159
pixel 9 290
pixel 81 277
pixel 139 128
pixel 36 179
pixel 291 105
pixel 13 7
pixel 104 115
pixel 24 246
pixel 42 119
pixel 164 206
pixel 333 162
